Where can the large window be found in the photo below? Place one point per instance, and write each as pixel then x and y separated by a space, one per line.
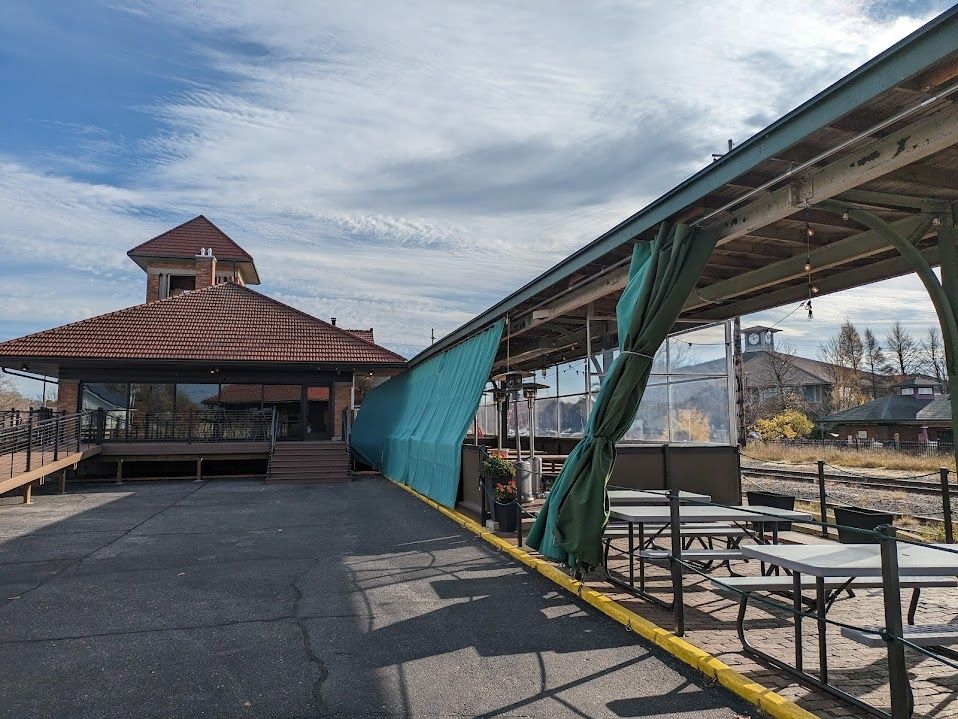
pixel 687 400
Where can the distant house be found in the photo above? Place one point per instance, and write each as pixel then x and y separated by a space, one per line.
pixel 918 411
pixel 768 374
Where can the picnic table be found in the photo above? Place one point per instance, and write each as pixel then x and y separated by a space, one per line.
pixel 652 496
pixel 917 565
pixel 637 517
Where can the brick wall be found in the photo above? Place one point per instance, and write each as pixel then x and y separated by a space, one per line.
pixel 67 394
pixel 205 271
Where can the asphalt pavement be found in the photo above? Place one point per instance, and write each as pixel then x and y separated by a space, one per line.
pixel 244 599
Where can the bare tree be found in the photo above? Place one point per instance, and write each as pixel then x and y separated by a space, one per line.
pixel 10 396
pixel 875 363
pixel 932 360
pixel 845 353
pixel 903 350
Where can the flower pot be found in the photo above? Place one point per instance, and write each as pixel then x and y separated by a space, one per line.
pixel 849 519
pixel 507 515
pixel 775 500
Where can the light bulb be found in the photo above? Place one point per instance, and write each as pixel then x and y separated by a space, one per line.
pixel 810 231
pixel 808 265
pixel 845 215
pixel 814 289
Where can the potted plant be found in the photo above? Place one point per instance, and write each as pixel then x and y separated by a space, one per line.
pixel 849 519
pixel 505 506
pixel 499 476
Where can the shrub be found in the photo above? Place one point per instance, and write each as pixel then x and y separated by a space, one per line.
pixel 497 469
pixel 786 425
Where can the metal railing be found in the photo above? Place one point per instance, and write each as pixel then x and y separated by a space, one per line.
pixel 273 431
pixel 204 425
pixel 918 449
pixel 41 437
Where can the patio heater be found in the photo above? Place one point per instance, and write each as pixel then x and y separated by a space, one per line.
pixel 500 395
pixel 529 390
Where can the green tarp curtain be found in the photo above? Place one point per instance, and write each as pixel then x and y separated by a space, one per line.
pixel 412 426
pixel 661 278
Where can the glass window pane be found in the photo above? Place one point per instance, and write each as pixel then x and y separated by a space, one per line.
pixel 572 416
pixel 238 396
pixel 109 396
pixel 112 397
pixel 195 397
pixel 152 411
pixel 700 351
pixel 547 415
pixel 572 378
pixel 651 423
pixel 700 411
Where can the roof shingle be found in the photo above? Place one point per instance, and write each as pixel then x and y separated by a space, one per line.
pixel 186 240
pixel 225 322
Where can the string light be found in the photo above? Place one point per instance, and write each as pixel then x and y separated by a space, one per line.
pixel 812 289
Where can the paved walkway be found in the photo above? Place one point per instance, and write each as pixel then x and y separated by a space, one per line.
pixel 242 599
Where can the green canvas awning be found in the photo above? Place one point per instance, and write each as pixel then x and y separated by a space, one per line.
pixel 661 278
pixel 411 427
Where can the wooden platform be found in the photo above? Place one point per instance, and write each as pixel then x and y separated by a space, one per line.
pixel 22 477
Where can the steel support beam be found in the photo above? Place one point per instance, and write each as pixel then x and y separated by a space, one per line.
pixel 915 142
pixel 835 254
pixel 874 272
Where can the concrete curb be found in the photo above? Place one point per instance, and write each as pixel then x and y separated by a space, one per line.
pixel 765 699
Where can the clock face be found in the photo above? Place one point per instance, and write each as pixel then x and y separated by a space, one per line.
pixel 754 339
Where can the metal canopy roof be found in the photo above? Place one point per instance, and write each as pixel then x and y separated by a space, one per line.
pixel 883 138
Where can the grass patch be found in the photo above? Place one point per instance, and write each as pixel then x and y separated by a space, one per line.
pixel 852 458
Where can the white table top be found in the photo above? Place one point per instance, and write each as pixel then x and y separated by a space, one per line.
pixel 652 514
pixel 856 560
pixel 652 496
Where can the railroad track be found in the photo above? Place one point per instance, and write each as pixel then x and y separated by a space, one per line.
pixel 916 485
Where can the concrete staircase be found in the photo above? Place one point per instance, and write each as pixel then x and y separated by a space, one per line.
pixel 310 462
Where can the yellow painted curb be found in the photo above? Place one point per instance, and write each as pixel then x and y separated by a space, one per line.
pixel 764 698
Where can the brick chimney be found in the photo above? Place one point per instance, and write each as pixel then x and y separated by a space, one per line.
pixel 205 269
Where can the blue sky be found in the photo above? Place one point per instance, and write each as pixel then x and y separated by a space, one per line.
pixel 397 165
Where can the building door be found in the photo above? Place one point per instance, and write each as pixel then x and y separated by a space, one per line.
pixel 317 413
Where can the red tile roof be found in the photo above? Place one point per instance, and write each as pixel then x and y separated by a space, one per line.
pixel 226 322
pixel 363 334
pixel 186 240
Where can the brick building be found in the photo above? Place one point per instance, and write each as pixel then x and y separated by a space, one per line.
pixel 202 340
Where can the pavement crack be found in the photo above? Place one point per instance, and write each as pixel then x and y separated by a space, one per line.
pixel 300 621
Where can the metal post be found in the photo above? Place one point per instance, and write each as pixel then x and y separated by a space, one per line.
pixel 822 507
pixel 29 438
pixel 189 427
pixel 946 506
pixel 891 589
pixel 678 600
pixel 666 466
pixel 56 437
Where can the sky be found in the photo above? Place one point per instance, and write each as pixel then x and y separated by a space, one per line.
pixel 397 165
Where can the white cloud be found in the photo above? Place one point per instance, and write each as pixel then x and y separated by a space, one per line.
pixel 407 165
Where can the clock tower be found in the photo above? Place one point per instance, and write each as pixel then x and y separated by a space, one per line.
pixel 758 338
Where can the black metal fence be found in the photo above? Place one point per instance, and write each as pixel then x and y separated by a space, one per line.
pixel 917 449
